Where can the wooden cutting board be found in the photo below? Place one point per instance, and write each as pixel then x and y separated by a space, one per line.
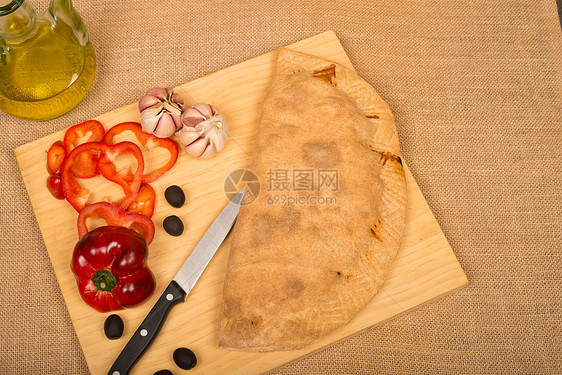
pixel 424 269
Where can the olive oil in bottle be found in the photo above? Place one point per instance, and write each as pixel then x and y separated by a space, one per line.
pixel 45 70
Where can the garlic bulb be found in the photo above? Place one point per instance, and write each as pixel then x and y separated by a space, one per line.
pixel 161 111
pixel 204 131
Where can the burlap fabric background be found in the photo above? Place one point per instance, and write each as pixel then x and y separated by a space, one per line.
pixel 476 88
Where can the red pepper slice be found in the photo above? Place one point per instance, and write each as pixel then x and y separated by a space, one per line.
pixel 74 133
pixel 108 169
pixel 85 165
pixel 144 202
pixel 115 216
pixel 76 195
pixel 150 142
pixel 54 185
pixel 55 157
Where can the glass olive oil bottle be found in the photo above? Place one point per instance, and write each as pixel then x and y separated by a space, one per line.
pixel 47 63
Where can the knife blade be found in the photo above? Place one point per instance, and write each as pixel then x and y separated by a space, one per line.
pixel 179 287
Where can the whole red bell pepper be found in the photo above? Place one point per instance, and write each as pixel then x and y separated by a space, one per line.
pixel 76 195
pixel 115 216
pixel 147 140
pixel 109 264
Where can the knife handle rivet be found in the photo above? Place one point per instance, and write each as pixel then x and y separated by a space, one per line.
pixel 169 296
pixel 115 373
pixel 143 332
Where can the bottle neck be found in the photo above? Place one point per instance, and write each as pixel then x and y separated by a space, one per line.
pixel 17 21
pixel 64 11
pixel 66 5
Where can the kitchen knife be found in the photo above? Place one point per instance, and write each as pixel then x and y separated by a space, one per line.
pixel 179 287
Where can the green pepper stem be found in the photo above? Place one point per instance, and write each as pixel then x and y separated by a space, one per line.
pixel 104 281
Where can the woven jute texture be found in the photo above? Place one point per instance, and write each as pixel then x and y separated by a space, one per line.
pixel 476 89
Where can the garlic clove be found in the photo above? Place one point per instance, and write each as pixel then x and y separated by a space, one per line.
pixel 192 117
pixel 165 127
pixel 213 109
pixel 148 101
pixel 196 148
pixel 205 109
pixel 204 127
pixel 174 98
pixel 177 121
pixel 220 132
pixel 159 92
pixel 150 117
pixel 219 140
pixel 209 152
pixel 188 135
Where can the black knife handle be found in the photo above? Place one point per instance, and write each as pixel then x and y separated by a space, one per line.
pixel 148 329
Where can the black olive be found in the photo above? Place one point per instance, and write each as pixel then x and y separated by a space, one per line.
pixel 173 225
pixel 113 327
pixel 175 196
pixel 185 358
pixel 163 372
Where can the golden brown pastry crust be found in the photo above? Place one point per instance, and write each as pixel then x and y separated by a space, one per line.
pixel 296 273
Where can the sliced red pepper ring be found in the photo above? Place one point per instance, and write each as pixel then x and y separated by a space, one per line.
pixel 76 195
pixel 74 133
pixel 107 168
pixel 115 216
pixel 150 142
pixel 55 156
pixel 144 202
pixel 86 165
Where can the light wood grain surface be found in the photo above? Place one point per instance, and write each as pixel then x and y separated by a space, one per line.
pixel 425 268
